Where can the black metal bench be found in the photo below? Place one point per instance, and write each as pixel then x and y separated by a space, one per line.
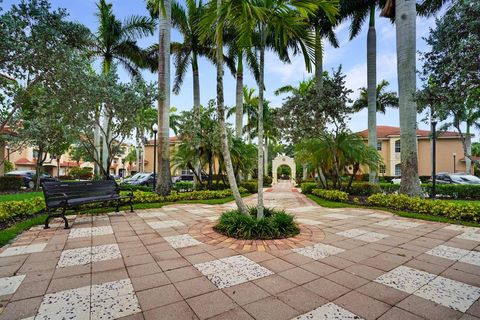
pixel 70 195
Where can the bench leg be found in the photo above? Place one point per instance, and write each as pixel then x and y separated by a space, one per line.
pixel 117 206
pixel 61 215
pixel 131 204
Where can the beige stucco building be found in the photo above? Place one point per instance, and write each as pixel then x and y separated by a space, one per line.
pixel 449 151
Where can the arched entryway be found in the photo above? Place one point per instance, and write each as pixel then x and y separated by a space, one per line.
pixel 282 160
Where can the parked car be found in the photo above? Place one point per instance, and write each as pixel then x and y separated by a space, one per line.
pixel 398 179
pixel 140 179
pixel 456 178
pixel 28 177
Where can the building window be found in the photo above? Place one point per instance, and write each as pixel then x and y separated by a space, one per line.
pixel 397 146
pixel 35 154
pixel 379 145
pixel 398 169
pixel 382 169
pixel 187 172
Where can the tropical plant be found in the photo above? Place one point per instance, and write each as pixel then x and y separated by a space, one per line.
pixel 163 10
pixel 384 99
pixel 303 88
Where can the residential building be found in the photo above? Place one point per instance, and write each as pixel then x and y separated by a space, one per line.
pixel 449 151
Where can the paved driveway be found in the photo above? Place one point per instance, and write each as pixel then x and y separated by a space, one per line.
pixel 169 264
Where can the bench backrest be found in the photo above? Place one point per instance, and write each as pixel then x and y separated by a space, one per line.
pixel 53 191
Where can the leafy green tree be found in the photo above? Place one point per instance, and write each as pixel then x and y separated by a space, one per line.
pixel 384 99
pixel 306 115
pixel 42 69
pixel 451 71
pixel 303 88
pixel 122 105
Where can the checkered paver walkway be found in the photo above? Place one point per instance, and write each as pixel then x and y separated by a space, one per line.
pixel 168 263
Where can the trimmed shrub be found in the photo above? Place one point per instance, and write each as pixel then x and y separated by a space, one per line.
pixel 274 225
pixel 10 183
pixel 128 187
pixel 10 210
pixel 389 188
pixel 401 202
pixel 267 181
pixel 184 186
pixel 250 185
pixel 333 195
pixel 307 187
pixel 455 191
pixel 363 189
pixel 151 197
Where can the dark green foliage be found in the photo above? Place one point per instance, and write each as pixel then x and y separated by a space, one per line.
pixel 184 186
pixel 128 187
pixel 274 225
pixel 251 186
pixel 455 191
pixel 307 187
pixel 10 183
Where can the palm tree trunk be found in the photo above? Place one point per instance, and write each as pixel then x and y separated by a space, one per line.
pixel 405 12
pixel 468 150
pixel 223 130
pixel 266 157
pixel 372 87
pixel 164 183
pixel 239 97
pixel 318 60
pixel 263 40
pixel 196 83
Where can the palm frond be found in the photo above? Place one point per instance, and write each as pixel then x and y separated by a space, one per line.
pixel 181 62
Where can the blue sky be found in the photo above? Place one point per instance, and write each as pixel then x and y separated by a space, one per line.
pixel 351 55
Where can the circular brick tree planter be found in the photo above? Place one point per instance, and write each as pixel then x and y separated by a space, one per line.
pixel 204 232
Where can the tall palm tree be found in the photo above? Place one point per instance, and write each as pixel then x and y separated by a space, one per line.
pixel 359 11
pixel 303 87
pixel 188 52
pixel 163 9
pixel 385 99
pixel 404 12
pixel 116 41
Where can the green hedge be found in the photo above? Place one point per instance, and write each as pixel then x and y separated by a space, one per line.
pixel 10 210
pixel 455 191
pixel 363 189
pixel 307 187
pixel 251 186
pixel 455 211
pixel 149 197
pixel 128 187
pixel 184 186
pixel 10 183
pixel 333 195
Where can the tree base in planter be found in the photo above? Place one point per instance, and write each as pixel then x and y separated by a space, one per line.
pixel 274 225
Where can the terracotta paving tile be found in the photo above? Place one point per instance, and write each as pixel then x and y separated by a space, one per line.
pixel 195 287
pixel 109 276
pixel 298 275
pixel 427 309
pixel 157 297
pixel 211 304
pixel 31 290
pixel 383 293
pixel 362 305
pixel 301 299
pixel 181 274
pixel 271 309
pixel 71 282
pixel 399 314
pixel 274 284
pixel 175 311
pixel 21 309
pixel 245 293
pixel 143 269
pixel 149 281
pixel 277 265
pixel 326 288
pixel 236 313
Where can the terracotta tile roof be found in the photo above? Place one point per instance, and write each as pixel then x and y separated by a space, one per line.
pixel 389 131
pixel 25 161
pixel 70 163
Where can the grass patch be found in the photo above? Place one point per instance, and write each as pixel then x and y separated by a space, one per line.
pixel 427 217
pixel 274 225
pixel 6 235
pixel 20 196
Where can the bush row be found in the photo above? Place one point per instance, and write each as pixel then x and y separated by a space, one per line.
pixel 150 197
pixel 9 183
pixel 357 188
pixel 333 195
pixel 10 210
pixel 456 191
pixel 456 211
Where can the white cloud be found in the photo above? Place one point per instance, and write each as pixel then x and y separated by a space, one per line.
pixel 288 73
